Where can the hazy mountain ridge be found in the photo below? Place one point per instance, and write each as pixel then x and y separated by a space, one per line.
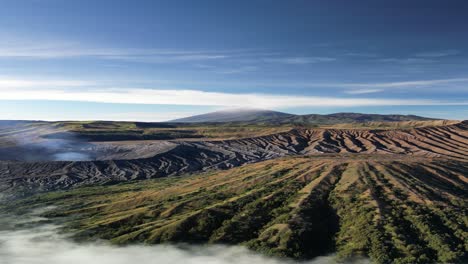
pixel 246 115
pixel 259 116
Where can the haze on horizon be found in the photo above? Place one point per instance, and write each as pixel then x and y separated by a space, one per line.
pixel 163 60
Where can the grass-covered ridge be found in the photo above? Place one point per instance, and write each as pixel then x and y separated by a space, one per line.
pixel 408 210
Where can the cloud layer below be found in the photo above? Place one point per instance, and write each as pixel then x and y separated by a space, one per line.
pixel 42 244
pixel 202 98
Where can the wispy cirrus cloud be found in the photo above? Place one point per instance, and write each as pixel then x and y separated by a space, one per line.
pixel 28 48
pixel 243 69
pixel 367 88
pixel 143 55
pixel 408 60
pixel 300 60
pixel 422 57
pixel 361 54
pixel 438 54
pixel 9 82
pixel 364 91
pixel 417 83
pixel 233 61
pixel 118 116
pixel 13 83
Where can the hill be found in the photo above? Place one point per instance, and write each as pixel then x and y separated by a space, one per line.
pixel 235 115
pixel 271 117
pixel 339 118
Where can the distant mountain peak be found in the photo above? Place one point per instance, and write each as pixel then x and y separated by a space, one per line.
pixel 235 115
pixel 255 115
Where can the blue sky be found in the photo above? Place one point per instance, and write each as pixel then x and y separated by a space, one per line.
pixel 159 60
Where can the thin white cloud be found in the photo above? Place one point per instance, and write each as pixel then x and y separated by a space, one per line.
pixel 361 54
pixel 47 49
pixel 438 54
pixel 364 91
pixel 401 84
pixel 125 116
pixel 451 83
pixel 202 98
pixel 408 60
pixel 14 47
pixel 422 58
pixel 38 48
pixel 238 70
pixel 300 60
pixel 10 83
pixel 168 57
pixel 143 55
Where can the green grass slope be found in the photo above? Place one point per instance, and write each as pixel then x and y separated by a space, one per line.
pixel 388 207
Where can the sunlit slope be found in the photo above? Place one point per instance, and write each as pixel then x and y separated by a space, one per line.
pixel 388 207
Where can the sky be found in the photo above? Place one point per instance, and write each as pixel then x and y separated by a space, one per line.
pixel 160 60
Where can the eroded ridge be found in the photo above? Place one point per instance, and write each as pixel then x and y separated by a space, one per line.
pixel 437 141
pixel 449 141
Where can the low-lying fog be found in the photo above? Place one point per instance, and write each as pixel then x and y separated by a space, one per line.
pixel 33 146
pixel 30 145
pixel 33 240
